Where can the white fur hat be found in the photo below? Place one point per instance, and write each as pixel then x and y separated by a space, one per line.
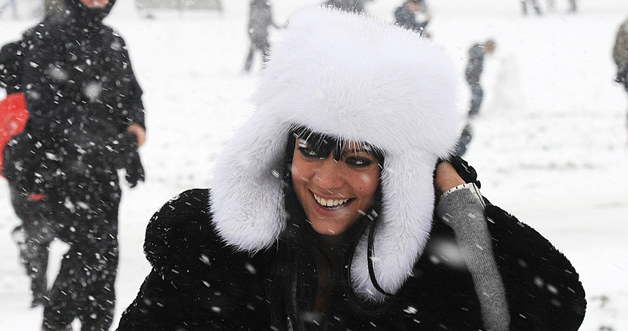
pixel 359 79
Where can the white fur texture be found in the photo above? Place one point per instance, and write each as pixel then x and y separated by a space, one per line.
pixel 364 80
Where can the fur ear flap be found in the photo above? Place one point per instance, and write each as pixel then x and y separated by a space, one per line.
pixel 247 195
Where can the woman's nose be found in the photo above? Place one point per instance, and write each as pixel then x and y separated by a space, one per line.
pixel 329 175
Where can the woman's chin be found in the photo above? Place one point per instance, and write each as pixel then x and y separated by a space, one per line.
pixel 330 227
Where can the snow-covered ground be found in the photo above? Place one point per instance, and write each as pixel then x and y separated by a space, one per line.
pixel 550 144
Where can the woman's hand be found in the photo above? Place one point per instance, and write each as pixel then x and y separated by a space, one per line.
pixel 447 177
pixel 139 131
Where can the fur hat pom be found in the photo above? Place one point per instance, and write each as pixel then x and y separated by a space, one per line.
pixel 360 79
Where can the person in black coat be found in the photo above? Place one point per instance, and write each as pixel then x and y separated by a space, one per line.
pixel 330 210
pixel 473 71
pixel 86 122
pixel 405 15
pixel 260 18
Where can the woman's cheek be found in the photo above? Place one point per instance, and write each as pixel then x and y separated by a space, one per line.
pixel 367 182
pixel 297 174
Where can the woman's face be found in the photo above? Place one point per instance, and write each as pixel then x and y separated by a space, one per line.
pixel 95 4
pixel 334 194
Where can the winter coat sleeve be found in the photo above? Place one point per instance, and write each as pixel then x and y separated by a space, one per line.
pixel 462 208
pixel 506 257
pixel 196 283
pixel 542 287
pixel 131 100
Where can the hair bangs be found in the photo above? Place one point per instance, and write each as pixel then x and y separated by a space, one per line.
pixel 325 144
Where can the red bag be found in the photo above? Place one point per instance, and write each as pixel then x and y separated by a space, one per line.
pixel 13 117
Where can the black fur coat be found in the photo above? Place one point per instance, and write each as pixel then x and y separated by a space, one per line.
pixel 198 283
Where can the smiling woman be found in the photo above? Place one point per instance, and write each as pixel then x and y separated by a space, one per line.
pixel 330 208
pixel 335 184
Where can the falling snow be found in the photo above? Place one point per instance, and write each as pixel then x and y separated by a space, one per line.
pixel 550 144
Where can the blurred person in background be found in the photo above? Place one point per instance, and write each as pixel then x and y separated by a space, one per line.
pixel 86 121
pixel 533 3
pixel 466 135
pixel 573 6
pixel 329 208
pixel 406 15
pixel 260 19
pixel 620 56
pixel 473 72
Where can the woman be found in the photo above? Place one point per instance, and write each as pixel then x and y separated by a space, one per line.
pixel 322 211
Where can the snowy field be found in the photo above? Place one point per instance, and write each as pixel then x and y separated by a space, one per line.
pixel 550 143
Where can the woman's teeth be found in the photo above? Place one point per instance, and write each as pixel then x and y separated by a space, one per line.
pixel 330 203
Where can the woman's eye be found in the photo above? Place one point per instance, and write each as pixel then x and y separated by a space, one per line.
pixel 358 162
pixel 310 153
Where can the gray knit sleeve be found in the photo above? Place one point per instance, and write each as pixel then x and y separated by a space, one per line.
pixel 462 208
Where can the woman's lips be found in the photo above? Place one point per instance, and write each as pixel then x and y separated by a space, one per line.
pixel 330 203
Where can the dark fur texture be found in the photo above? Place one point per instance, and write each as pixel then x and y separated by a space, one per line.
pixel 199 283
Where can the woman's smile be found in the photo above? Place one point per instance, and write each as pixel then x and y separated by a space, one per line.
pixel 330 203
